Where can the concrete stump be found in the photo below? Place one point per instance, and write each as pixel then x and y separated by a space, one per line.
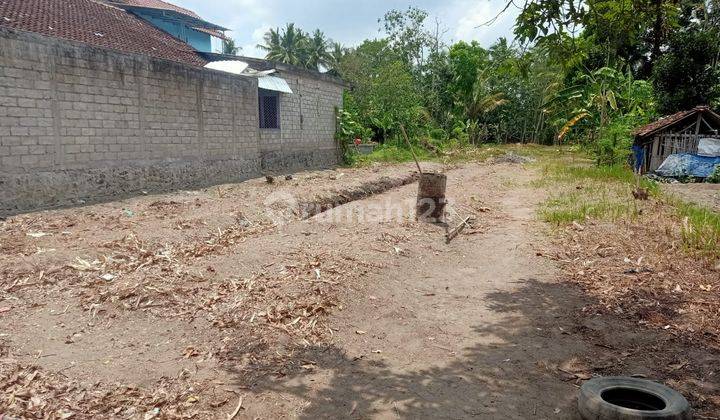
pixel 431 201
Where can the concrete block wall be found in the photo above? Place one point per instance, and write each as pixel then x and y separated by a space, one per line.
pixel 82 124
pixel 307 121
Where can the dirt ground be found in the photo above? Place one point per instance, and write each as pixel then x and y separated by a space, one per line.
pixel 262 301
pixel 702 194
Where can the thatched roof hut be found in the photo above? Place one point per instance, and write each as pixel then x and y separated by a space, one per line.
pixel 677 133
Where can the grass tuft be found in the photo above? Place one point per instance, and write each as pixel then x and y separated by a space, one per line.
pixel 585 192
pixel 582 191
pixel 700 229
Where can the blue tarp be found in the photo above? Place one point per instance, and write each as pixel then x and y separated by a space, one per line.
pixel 685 164
pixel 638 153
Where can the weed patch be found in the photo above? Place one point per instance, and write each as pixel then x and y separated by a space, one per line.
pixel 585 192
pixel 700 228
pixel 581 191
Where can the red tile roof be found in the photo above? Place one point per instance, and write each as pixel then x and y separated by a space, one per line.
pixel 673 119
pixel 160 5
pixel 164 6
pixel 97 24
pixel 213 32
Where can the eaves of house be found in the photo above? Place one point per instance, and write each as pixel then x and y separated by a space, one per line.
pixel 647 131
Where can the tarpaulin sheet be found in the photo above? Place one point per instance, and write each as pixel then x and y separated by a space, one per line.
pixel 709 147
pixel 685 164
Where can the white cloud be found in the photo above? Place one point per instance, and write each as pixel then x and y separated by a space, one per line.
pixel 245 10
pixel 250 49
pixel 349 22
pixel 483 21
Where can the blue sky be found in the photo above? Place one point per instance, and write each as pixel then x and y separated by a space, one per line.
pixel 349 22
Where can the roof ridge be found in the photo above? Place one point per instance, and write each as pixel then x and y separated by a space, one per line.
pixel 106 4
pixel 160 5
pixel 81 21
pixel 189 12
pixel 669 120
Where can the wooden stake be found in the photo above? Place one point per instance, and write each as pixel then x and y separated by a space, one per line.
pixel 456 231
pixel 407 140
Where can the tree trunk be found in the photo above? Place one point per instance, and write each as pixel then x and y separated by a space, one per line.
pixel 431 201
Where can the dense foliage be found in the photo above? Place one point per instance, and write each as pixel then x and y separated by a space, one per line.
pixel 715 176
pixel 294 46
pixel 579 71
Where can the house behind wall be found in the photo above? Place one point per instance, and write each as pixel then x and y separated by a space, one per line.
pixel 80 124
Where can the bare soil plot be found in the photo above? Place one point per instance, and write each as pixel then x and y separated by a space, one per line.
pixel 186 304
pixel 702 194
pixel 638 271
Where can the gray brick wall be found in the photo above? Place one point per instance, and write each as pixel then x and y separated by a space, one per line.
pixel 80 124
pixel 307 121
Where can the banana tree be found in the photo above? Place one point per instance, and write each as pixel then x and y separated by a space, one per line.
pixel 481 102
pixel 595 98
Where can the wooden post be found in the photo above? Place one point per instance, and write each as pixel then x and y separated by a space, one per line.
pixel 431 200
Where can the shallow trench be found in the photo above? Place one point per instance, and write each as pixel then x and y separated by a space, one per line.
pixel 308 209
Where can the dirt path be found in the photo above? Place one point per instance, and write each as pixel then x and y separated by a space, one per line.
pixel 357 312
pixel 446 332
pixel 707 195
pixel 481 328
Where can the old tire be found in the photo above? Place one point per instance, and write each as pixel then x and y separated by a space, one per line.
pixel 622 398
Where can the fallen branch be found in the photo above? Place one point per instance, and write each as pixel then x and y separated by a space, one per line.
pixel 237 409
pixel 452 234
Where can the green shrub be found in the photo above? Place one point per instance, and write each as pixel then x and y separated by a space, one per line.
pixel 714 178
pixel 438 134
pixel 350 128
pixel 614 146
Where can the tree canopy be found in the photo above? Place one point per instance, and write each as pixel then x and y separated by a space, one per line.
pixel 581 71
pixel 294 46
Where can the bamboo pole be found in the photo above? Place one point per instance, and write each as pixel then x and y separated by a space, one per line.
pixel 412 151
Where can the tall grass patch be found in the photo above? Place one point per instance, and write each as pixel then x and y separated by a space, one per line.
pixel 581 191
pixel 700 229
pixel 594 202
pixel 590 198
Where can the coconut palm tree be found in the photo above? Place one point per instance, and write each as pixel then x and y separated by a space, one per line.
pixel 286 46
pixel 230 48
pixel 272 43
pixel 481 102
pixel 337 52
pixel 318 51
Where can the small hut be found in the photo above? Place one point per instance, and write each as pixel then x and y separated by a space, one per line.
pixel 677 133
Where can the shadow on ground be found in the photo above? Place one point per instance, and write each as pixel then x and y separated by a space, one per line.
pixel 531 367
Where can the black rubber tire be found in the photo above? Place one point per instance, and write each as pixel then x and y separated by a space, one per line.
pixel 593 407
